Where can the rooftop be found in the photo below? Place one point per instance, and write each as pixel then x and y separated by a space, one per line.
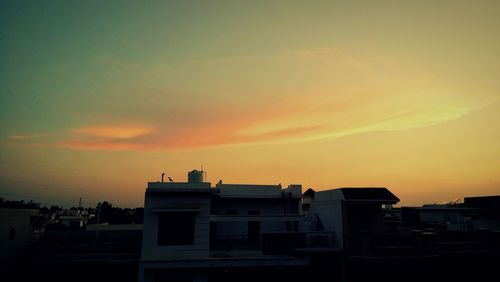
pixel 379 195
pixel 368 194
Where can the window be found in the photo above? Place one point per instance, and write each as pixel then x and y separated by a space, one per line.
pixel 253 212
pixel 231 212
pixel 176 228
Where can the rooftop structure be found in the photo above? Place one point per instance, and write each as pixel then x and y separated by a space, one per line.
pixel 203 225
pixel 473 214
pixel 194 225
pixel 349 212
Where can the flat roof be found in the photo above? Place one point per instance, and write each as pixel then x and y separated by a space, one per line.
pixel 379 195
pixel 368 193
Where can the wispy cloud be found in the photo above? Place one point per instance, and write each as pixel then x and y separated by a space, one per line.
pixel 229 127
pixel 114 131
pixel 334 124
pixel 32 136
pixel 99 145
pixel 290 132
pixel 332 56
pixel 298 126
pixel 116 137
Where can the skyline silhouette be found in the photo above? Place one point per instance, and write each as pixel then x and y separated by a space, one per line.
pixel 191 230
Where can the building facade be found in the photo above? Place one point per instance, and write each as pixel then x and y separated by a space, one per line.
pixel 194 225
pixel 196 232
pixel 17 231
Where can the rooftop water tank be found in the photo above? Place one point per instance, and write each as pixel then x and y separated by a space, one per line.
pixel 195 176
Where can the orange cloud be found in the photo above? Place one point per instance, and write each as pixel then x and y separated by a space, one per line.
pixel 30 136
pixel 291 131
pixel 114 131
pixel 290 118
pixel 217 127
pixel 97 145
pixel 107 137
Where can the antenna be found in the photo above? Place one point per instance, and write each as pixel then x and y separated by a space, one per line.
pixel 204 174
pixel 80 203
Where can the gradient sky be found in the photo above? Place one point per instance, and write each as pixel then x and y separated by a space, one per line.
pixel 99 97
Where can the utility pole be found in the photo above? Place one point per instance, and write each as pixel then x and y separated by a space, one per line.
pixel 80 206
pixel 99 206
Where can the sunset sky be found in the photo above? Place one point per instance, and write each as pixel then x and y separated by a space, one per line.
pixel 99 97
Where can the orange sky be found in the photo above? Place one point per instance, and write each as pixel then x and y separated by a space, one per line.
pixel 96 101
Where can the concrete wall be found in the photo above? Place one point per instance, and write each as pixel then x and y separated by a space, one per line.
pixel 231 230
pixel 161 201
pixel 241 190
pixel 239 229
pixel 327 207
pixel 244 206
pixel 258 191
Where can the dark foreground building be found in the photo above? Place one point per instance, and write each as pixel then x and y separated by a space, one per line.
pixel 194 231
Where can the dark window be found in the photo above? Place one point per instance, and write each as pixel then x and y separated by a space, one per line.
pixel 176 228
pixel 254 234
pixel 253 212
pixel 231 212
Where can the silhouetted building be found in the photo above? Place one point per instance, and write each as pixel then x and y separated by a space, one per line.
pixel 193 225
pixel 196 232
pixel 352 214
pixel 73 221
pixel 473 214
pixel 16 231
